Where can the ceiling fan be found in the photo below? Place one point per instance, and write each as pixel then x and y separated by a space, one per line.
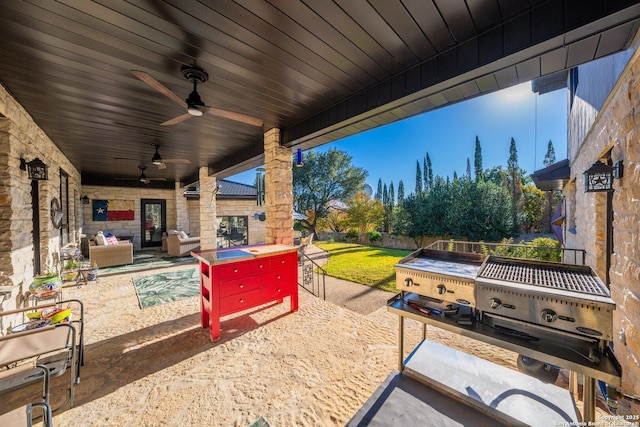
pixel 143 177
pixel 161 162
pixel 193 104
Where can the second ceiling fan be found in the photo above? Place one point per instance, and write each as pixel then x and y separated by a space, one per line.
pixel 193 104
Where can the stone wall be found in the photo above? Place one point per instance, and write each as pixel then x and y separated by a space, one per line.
pixel 133 227
pixel 20 138
pixel 278 189
pixel 615 132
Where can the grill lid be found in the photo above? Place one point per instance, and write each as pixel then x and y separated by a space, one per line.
pixel 545 274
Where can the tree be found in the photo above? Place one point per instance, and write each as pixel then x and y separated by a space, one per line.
pixel 418 178
pixel 378 195
pixel 477 160
pixel 468 173
pixel 550 157
pixel 514 175
pixel 534 205
pixel 392 196
pixel 430 177
pixel 364 213
pixel 325 177
pixel 400 192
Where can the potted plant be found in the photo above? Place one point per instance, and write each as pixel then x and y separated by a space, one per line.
pixel 69 270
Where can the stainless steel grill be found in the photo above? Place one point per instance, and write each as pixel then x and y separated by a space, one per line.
pixel 571 278
pixel 547 296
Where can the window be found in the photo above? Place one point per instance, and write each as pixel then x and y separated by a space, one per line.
pixel 232 231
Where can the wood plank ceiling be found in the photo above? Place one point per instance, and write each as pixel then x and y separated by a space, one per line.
pixel 319 70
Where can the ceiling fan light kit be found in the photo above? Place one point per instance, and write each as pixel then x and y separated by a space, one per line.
pixel 195 75
pixel 157 158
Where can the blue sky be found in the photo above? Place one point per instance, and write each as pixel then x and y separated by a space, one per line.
pixel 448 134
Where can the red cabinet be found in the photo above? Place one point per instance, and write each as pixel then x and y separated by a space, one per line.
pixel 233 280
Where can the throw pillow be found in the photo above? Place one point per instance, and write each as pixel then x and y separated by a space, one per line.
pixel 100 240
pixel 184 235
pixel 112 240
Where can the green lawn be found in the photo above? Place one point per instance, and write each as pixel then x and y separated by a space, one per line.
pixel 363 264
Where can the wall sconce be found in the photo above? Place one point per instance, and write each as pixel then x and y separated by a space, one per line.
pixel 599 177
pixel 84 199
pixel 37 170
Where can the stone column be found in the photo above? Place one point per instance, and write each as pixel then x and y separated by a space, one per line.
pixel 182 210
pixel 207 210
pixel 278 190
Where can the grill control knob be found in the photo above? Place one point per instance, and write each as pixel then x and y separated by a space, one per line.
pixel 408 281
pixel 495 303
pixel 441 289
pixel 549 315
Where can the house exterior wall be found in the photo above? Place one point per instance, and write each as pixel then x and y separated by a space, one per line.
pixel 600 128
pixel 20 138
pixel 133 227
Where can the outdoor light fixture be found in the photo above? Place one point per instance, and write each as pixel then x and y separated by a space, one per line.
pixel 299 158
pixel 599 177
pixel 84 199
pixel 157 158
pixel 37 170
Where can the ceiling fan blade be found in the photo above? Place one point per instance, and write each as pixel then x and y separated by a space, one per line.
pixel 176 120
pixel 181 161
pixel 250 120
pixel 156 179
pixel 158 86
pixel 162 165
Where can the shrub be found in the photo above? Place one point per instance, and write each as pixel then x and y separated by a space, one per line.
pixel 351 235
pixel 546 249
pixel 374 236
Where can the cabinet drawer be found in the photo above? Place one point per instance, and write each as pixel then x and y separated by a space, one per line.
pixel 277 291
pixel 239 302
pixel 284 260
pixel 260 265
pixel 235 270
pixel 279 276
pixel 244 284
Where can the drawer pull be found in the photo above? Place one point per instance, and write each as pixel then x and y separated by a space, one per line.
pixel 241 300
pixel 261 265
pixel 281 261
pixel 278 277
pixel 235 270
pixel 279 290
pixel 241 285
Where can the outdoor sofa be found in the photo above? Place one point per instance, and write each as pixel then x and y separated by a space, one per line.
pixel 110 255
pixel 179 244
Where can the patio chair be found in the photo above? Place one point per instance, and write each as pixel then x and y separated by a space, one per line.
pixel 54 347
pixel 24 415
pixel 304 242
pixel 77 319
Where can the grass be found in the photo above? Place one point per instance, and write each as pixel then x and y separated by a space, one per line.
pixel 363 264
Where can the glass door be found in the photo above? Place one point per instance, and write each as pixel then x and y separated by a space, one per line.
pixel 153 221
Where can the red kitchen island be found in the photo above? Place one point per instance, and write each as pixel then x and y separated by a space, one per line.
pixel 242 277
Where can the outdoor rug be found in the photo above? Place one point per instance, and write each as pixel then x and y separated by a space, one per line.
pixel 167 287
pixel 147 260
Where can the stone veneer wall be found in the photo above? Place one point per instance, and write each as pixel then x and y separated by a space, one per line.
pixel 20 137
pixel 208 226
pixel 278 189
pixel 133 227
pixel 616 128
